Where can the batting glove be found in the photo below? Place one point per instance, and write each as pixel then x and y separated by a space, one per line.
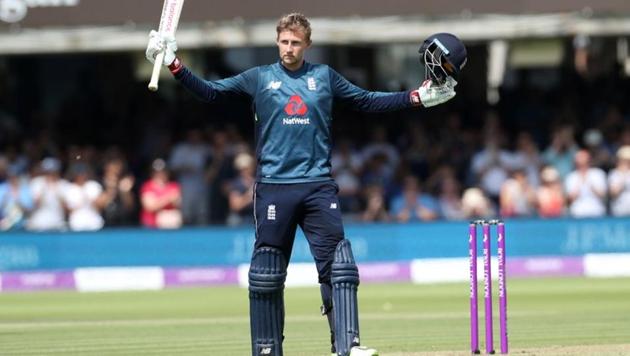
pixel 159 43
pixel 430 95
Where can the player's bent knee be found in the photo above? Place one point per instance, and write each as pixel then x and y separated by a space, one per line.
pixel 267 274
pixel 268 270
pixel 344 268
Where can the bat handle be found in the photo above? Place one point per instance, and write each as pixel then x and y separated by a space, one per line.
pixel 155 74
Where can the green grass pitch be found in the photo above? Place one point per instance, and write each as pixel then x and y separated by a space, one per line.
pixel 546 316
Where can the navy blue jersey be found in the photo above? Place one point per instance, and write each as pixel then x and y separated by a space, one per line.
pixel 293 114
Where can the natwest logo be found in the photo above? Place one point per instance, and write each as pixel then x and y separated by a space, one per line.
pixel 296 106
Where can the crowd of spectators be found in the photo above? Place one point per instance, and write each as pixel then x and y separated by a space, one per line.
pixel 207 177
pixel 83 188
pixel 106 153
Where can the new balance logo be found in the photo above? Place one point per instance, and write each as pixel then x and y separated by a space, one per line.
pixel 271 212
pixel 274 85
pixel 333 205
pixel 265 351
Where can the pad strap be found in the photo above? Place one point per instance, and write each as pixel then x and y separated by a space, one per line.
pixel 327 310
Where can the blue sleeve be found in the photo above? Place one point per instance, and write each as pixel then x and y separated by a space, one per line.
pixel 243 84
pixel 364 100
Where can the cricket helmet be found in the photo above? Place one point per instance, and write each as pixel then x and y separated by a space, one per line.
pixel 443 55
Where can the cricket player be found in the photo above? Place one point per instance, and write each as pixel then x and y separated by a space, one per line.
pixel 292 100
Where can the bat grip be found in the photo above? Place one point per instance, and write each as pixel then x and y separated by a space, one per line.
pixel 155 74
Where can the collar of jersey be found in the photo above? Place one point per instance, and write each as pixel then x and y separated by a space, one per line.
pixel 297 73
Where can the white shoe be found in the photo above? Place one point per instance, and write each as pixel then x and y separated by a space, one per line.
pixel 363 351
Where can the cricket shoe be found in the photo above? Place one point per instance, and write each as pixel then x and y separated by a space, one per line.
pixel 363 351
pixel 360 351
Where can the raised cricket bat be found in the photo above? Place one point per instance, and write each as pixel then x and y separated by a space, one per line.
pixel 168 24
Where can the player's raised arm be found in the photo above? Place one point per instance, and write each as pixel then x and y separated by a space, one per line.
pixel 242 84
pixel 364 100
pixel 443 56
pixel 429 94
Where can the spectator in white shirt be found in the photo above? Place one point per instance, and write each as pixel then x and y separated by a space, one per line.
pixel 619 183
pixel 48 190
pixel 81 197
pixel 586 188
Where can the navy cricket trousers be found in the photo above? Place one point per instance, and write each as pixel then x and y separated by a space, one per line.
pixel 280 208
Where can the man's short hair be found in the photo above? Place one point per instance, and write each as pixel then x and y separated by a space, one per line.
pixel 295 22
